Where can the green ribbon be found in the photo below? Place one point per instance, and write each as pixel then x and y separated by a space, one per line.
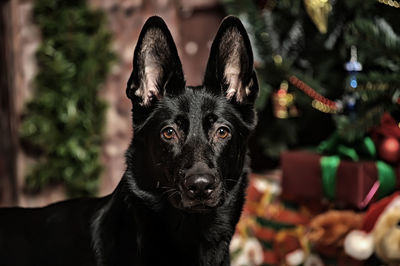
pixel 329 166
pixel 335 145
pixel 386 177
pixel 369 147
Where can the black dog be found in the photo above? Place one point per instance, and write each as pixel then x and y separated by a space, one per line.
pixel 183 190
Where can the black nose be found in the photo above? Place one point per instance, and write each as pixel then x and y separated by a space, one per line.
pixel 199 186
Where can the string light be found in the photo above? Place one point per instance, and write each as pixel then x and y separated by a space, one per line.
pixel 322 107
pixel 373 86
pixel 391 3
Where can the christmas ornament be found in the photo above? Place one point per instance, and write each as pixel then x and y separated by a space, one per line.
pixel 283 102
pixel 351 96
pixel 319 10
pixel 353 66
pixel 386 137
pixel 389 150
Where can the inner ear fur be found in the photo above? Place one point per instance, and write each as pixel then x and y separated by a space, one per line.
pixel 230 66
pixel 157 69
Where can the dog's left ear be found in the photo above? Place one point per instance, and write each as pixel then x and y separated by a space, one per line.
pixel 157 70
pixel 230 67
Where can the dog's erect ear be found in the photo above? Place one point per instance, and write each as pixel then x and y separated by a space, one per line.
pixel 230 66
pixel 157 70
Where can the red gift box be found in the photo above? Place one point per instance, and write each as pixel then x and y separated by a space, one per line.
pixel 302 179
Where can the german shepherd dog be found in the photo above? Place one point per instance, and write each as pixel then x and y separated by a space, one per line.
pixel 183 190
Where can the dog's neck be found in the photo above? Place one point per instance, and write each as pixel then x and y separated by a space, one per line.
pixel 153 245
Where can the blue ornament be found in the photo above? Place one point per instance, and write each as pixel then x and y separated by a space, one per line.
pixel 353 66
pixel 353 82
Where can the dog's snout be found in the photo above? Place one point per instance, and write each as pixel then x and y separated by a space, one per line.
pixel 199 186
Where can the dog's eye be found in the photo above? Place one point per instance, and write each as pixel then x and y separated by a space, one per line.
pixel 168 133
pixel 223 132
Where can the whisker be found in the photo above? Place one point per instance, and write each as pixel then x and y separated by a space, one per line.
pixel 173 194
pixel 168 191
pixel 166 187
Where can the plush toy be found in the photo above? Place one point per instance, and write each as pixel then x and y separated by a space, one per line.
pixel 379 234
pixel 327 231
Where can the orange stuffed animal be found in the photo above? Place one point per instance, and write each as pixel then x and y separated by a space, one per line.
pixel 327 231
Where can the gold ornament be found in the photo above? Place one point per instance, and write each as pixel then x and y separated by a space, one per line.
pixel 319 10
pixel 283 102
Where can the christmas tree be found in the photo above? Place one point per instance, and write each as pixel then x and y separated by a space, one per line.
pixel 323 65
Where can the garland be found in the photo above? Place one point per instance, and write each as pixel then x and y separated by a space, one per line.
pixel 320 102
pixel 391 3
pixel 63 122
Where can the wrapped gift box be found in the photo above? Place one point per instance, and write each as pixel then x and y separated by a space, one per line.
pixel 302 179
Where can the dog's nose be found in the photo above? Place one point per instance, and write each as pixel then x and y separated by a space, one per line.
pixel 199 186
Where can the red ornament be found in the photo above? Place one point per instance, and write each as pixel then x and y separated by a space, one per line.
pixel 389 150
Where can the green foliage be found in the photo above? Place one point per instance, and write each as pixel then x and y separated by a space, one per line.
pixel 283 29
pixel 64 120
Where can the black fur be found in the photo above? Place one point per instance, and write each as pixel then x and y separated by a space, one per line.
pixel 183 190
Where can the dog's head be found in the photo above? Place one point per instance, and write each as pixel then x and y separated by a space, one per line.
pixel 192 140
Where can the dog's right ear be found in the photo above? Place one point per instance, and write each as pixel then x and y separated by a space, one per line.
pixel 157 70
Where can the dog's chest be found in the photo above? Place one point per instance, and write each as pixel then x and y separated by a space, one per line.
pixel 188 243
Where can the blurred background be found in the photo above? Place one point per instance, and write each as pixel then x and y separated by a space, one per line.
pixel 64 68
pixel 328 107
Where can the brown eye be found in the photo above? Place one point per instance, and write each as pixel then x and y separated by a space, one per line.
pixel 168 133
pixel 223 132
